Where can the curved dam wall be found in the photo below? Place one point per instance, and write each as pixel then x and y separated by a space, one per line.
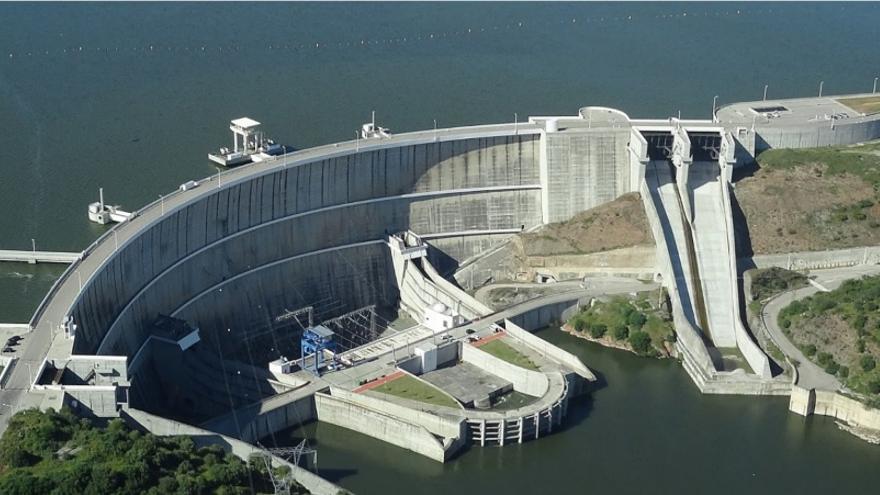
pixel 305 234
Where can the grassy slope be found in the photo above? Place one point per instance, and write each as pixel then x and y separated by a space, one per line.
pixel 503 351
pixel 813 199
pixel 407 387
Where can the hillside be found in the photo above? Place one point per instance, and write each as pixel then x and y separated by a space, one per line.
pixel 813 199
pixel 616 224
pixel 840 331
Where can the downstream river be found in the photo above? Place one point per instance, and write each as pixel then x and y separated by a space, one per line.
pixel 646 430
pixel 132 97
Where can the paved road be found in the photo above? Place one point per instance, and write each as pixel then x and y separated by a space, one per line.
pixel 599 285
pixel 810 375
pixel 30 353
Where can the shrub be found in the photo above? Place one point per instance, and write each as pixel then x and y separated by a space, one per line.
pixel 867 363
pixel 580 325
pixel 810 350
pixel 843 372
pixel 860 346
pixel 874 386
pixel 832 368
pixel 598 330
pixel 824 358
pixel 784 322
pixel 640 341
pixel 620 332
pixel 636 319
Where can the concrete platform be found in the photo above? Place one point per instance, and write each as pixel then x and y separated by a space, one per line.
pixel 469 384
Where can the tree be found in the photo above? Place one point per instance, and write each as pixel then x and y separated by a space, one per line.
pixel 810 350
pixel 580 325
pixel 867 363
pixel 636 319
pixel 640 341
pixel 620 332
pixel 597 330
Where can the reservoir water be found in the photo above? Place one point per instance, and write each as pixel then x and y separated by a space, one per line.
pixel 132 97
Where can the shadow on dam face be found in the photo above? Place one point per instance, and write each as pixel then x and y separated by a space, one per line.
pixel 232 259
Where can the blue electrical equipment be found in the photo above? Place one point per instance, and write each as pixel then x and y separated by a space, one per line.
pixel 314 341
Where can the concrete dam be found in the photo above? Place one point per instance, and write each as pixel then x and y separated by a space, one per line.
pixel 385 223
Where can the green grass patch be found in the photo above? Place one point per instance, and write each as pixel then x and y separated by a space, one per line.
pixel 862 160
pixel 409 387
pixel 505 352
pixel 768 282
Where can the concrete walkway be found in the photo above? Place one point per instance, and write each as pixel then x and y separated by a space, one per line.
pixel 810 375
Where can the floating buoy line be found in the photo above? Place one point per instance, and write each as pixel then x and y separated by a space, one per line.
pixel 318 45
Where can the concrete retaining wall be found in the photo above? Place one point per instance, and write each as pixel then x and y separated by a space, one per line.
pixel 816 260
pixel 448 287
pixel 525 381
pixel 827 403
pixel 835 133
pixel 377 424
pixel 441 426
pixel 567 359
pixel 165 427
pixel 756 358
pixel 8 364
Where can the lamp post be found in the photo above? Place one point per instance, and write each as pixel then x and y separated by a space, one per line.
pixel 162 202
pixel 435 129
pixel 515 122
pixel 821 85
pixel 765 91
pixel 874 91
pixel 34 247
pixel 714 101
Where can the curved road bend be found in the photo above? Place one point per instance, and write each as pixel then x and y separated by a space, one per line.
pixel 810 375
